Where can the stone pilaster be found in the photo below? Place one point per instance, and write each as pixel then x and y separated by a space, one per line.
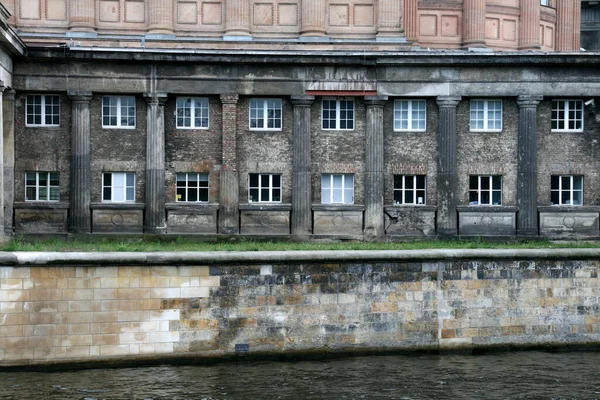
pixel 474 23
pixel 529 25
pixel 8 112
pixel 374 167
pixel 160 16
pixel 390 19
pixel 577 27
pixel 527 216
pixel 155 214
pixel 237 18
pixel 301 182
pixel 313 18
pixel 564 24
pixel 228 182
pixel 410 15
pixel 446 175
pixel 80 214
pixel 82 16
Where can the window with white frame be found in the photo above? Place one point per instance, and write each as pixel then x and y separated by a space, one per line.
pixel 265 114
pixel 485 190
pixel 192 112
pixel 192 186
pixel 337 114
pixel 264 188
pixel 42 110
pixel 118 112
pixel 545 3
pixel 486 115
pixel 42 186
pixel 118 187
pixel 409 115
pixel 409 189
pixel 566 190
pixel 567 115
pixel 337 188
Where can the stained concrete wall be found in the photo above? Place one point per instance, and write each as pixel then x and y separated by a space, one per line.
pixel 71 307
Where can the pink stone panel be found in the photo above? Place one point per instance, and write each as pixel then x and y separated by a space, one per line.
pixel 428 25
pixel 187 12
pixel 56 10
pixel 450 25
pixel 339 15
pixel 287 14
pixel 30 9
pixel 364 15
pixel 262 14
pixel 110 11
pixel 492 28
pixel 212 13
pixel 135 11
pixel 509 30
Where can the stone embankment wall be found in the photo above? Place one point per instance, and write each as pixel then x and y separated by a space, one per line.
pixel 76 307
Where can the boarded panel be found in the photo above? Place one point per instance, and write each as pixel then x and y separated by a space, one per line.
pixel 449 25
pixel 212 13
pixel 56 10
pixel 287 14
pixel 30 9
pixel 364 15
pixel 492 28
pixel 110 11
pixel 187 12
pixel 262 14
pixel 428 25
pixel 135 11
pixel 339 15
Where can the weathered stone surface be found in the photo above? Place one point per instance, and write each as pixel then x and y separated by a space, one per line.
pixel 36 219
pixel 338 220
pixel 192 219
pixel 569 222
pixel 405 221
pixel 109 218
pixel 487 221
pixel 265 220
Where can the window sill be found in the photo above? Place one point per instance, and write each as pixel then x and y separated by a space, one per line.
pixel 107 206
pixel 568 208
pixel 338 207
pixel 265 207
pixel 404 207
pixel 191 206
pixel 124 128
pixel 43 126
pixel 484 131
pixel 486 208
pixel 566 131
pixel 190 128
pixel 41 204
pixel 410 131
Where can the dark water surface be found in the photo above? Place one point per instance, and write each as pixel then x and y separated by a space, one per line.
pixel 521 375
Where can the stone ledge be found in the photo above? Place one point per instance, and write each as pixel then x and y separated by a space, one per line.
pixel 487 209
pixel 192 207
pixel 41 204
pixel 119 206
pixel 265 207
pixel 569 209
pixel 259 257
pixel 338 207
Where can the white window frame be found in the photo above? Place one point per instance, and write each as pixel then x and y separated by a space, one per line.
pixel 37 186
pixel 119 115
pixel 42 114
pixel 114 188
pixel 338 114
pixel 410 109
pixel 197 105
pixel 489 191
pixel 197 187
pixel 569 104
pixel 260 188
pixel 265 114
pixel 327 194
pixel 414 190
pixel 570 191
pixel 486 120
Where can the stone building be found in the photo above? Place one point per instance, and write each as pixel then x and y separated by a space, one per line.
pixel 355 118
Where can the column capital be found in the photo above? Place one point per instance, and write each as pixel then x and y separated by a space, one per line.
pixel 80 96
pixel 230 98
pixel 302 101
pixel 529 101
pixel 9 95
pixel 156 98
pixel 448 101
pixel 376 101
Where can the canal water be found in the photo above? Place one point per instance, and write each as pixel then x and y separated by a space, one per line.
pixel 520 375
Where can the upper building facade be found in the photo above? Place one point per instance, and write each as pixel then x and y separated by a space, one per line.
pixel 505 25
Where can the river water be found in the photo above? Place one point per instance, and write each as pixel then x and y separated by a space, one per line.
pixel 519 375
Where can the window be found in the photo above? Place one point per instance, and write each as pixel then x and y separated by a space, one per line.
pixel 566 190
pixel 118 112
pixel 486 115
pixel 192 186
pixel 118 187
pixel 192 112
pixel 337 188
pixel 265 114
pixel 545 3
pixel 567 115
pixel 409 115
pixel 409 189
pixel 338 114
pixel 264 188
pixel 485 190
pixel 42 110
pixel 42 186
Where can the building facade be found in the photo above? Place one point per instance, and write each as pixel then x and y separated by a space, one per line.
pixel 303 118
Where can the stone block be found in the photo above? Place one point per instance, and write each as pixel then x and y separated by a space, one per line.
pixel 33 218
pixel 195 219
pixel 118 218
pixel 569 222
pixel 338 220
pixel 487 221
pixel 409 221
pixel 265 220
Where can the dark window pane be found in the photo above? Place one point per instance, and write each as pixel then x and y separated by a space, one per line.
pixel 409 197
pixel 409 182
pixel 30 193
pixel 397 181
pixel 566 182
pixel 253 194
pixel 276 195
pixel 264 195
pixel 107 194
pixel 420 181
pixel 485 197
pixel 554 182
pixel 276 181
pixel 398 196
pixel 473 197
pixel 192 194
pixel 181 194
pixel 473 182
pixel 203 195
pixel 485 183
pixel 420 197
pixel 264 180
pixel 496 198
pixel 253 180
pixel 554 197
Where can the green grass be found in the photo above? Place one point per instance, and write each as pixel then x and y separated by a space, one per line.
pixel 181 244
